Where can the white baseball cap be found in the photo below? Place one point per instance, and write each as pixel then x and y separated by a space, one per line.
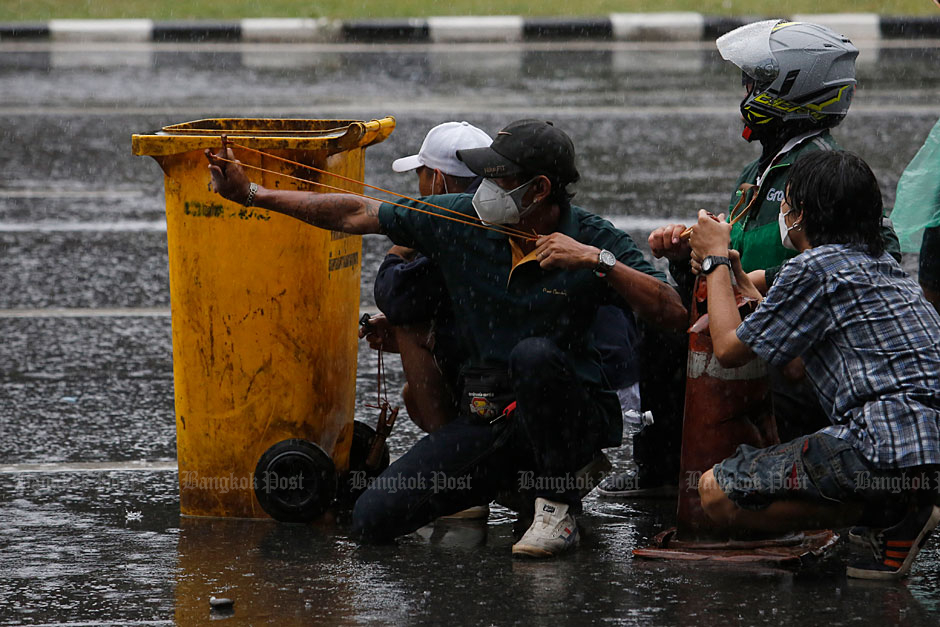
pixel 439 150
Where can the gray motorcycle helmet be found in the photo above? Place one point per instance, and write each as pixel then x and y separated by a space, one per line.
pixel 801 71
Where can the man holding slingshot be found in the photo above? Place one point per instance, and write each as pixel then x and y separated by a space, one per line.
pixel 526 272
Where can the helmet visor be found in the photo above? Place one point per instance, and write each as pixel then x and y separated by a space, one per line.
pixel 748 47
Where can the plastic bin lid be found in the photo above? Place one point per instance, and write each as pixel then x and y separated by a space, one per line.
pixel 264 134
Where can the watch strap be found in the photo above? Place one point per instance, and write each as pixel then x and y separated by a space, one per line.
pixel 713 261
pixel 252 190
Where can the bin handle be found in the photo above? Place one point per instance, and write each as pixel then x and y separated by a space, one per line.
pixel 363 134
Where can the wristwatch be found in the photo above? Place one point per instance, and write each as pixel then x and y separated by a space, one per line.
pixel 252 190
pixel 713 261
pixel 605 263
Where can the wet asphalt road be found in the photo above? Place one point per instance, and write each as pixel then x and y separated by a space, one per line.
pixel 86 370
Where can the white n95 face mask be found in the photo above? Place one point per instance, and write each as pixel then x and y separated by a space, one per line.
pixel 495 205
pixel 785 230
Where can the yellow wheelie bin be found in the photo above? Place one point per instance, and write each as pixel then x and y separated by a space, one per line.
pixel 264 314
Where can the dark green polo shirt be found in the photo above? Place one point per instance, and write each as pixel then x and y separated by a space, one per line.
pixel 495 312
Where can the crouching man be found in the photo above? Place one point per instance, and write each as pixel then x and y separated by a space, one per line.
pixel 525 304
pixel 871 347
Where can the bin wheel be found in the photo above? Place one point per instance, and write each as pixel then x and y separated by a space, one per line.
pixel 352 485
pixel 295 481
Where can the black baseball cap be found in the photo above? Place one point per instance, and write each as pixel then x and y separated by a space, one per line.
pixel 525 146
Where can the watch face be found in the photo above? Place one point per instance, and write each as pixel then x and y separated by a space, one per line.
pixel 607 258
pixel 707 265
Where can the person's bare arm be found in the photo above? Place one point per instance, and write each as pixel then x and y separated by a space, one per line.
pixel 752 284
pixel 758 279
pixel 408 254
pixel 746 280
pixel 649 297
pixel 712 237
pixel 336 212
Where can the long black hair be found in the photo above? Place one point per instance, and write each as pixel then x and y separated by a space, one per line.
pixel 839 200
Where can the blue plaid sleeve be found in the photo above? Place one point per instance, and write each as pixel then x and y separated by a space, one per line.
pixel 792 317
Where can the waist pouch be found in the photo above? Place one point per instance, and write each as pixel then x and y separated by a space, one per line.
pixel 486 393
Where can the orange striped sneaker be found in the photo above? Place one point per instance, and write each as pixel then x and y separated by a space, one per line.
pixel 896 547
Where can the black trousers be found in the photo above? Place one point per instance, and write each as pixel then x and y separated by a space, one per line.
pixel 556 429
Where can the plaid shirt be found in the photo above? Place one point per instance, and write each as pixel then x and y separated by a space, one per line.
pixel 871 346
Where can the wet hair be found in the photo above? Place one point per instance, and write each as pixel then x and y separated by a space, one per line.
pixel 839 200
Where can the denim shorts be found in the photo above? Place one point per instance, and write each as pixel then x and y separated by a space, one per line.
pixel 816 467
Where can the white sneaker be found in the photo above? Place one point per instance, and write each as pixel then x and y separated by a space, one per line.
pixel 553 531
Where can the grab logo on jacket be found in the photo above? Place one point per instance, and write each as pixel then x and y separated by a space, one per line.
pixel 774 195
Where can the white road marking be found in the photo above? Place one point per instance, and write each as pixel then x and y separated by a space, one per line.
pixel 97 194
pixel 117 312
pixel 62 467
pixel 129 226
pixel 430 106
pixel 65 312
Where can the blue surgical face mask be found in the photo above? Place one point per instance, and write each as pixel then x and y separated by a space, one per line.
pixel 785 230
pixel 495 205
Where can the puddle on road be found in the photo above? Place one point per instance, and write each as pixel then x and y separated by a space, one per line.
pixel 108 545
pixel 111 547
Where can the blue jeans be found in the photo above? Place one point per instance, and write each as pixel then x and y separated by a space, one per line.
pixel 556 429
pixel 822 469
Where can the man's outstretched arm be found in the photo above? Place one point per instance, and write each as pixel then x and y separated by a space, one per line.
pixel 338 212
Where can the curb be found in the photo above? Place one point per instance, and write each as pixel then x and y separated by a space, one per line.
pixel 676 26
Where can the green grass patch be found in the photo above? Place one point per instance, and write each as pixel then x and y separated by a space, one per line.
pixel 42 10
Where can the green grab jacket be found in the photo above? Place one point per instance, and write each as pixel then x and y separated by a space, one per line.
pixel 757 235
